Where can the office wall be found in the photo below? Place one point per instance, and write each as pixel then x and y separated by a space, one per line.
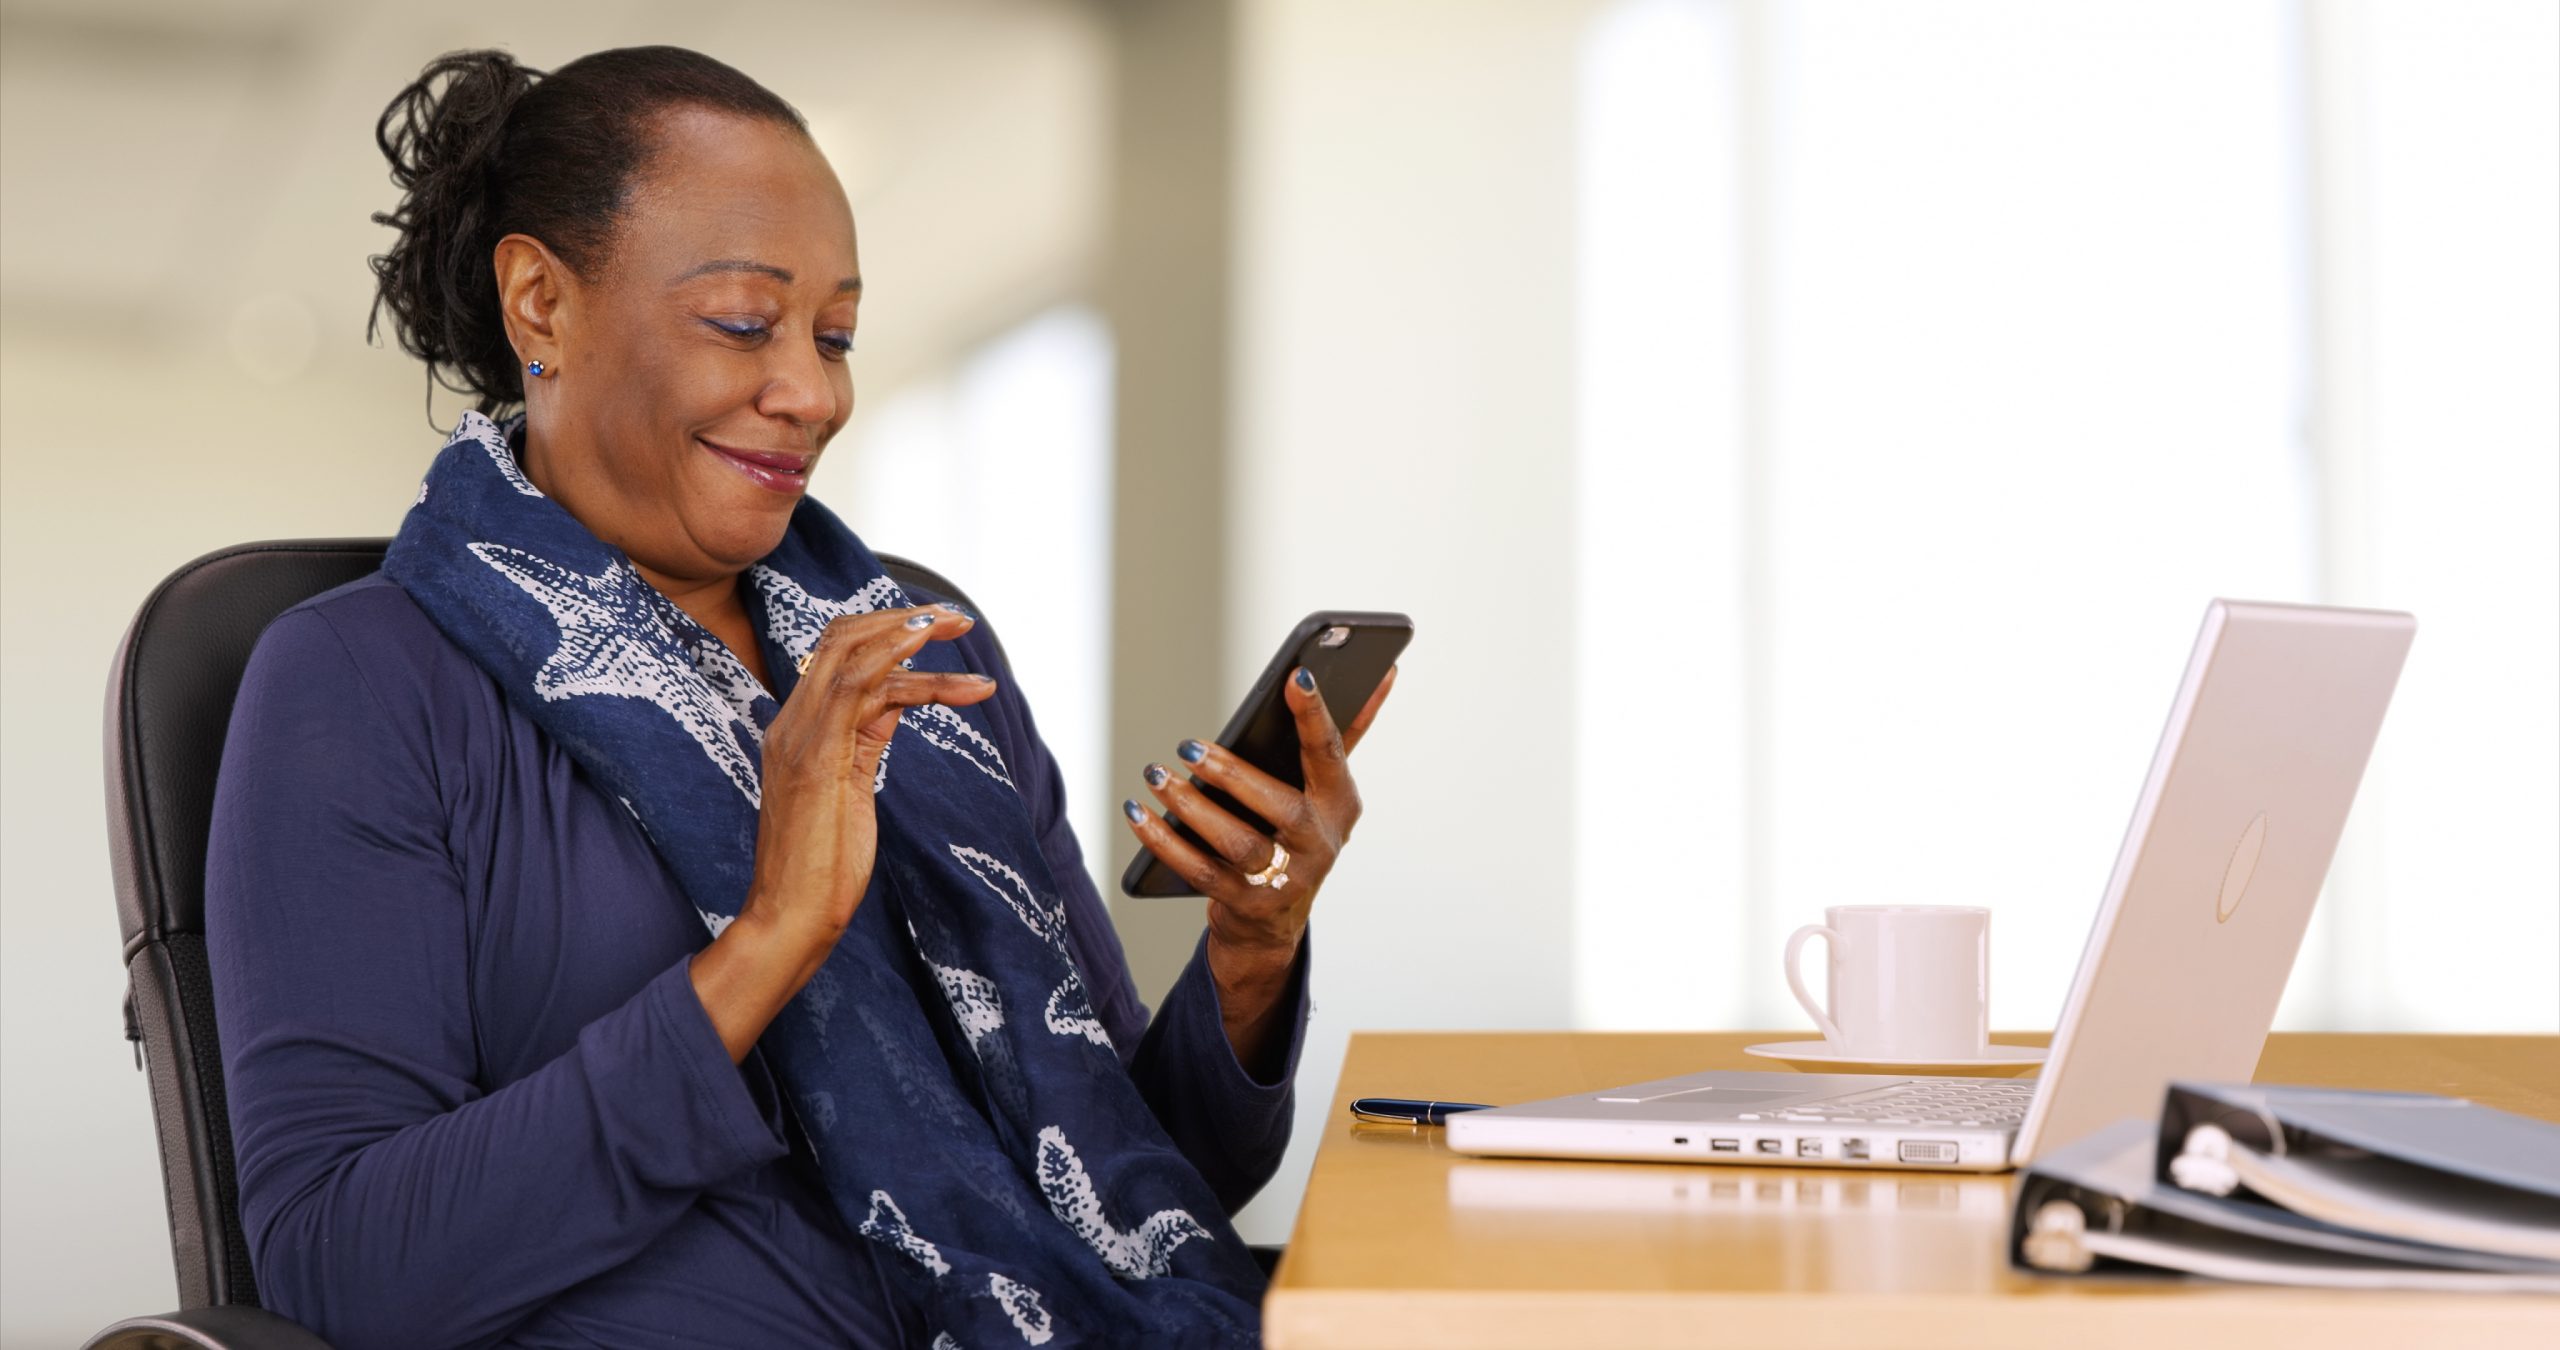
pixel 1403 408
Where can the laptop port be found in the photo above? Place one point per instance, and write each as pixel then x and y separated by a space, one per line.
pixel 1725 1145
pixel 1928 1151
pixel 1679 1139
pixel 1855 1150
pixel 1769 1145
pixel 1808 1148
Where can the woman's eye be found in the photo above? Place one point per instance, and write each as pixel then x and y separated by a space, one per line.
pixel 838 341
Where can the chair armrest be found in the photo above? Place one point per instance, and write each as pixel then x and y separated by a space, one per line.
pixel 225 1328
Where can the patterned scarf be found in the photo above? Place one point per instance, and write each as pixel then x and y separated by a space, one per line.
pixel 965 1106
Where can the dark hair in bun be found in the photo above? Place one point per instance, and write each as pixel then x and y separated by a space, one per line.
pixel 482 147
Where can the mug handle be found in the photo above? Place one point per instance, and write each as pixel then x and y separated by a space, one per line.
pixel 1795 982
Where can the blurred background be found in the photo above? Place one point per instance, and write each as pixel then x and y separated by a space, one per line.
pixel 1806 436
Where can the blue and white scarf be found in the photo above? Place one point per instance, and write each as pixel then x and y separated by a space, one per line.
pixel 977 1124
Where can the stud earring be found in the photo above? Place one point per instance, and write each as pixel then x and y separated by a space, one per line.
pixel 536 368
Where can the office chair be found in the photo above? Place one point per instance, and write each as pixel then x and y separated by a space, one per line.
pixel 169 697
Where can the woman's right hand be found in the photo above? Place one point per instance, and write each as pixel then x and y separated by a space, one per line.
pixel 816 834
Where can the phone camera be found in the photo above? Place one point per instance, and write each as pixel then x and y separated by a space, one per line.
pixel 1334 636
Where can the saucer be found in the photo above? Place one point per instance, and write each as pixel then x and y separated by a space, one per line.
pixel 2003 1061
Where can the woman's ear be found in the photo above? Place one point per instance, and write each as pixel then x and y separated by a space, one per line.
pixel 533 298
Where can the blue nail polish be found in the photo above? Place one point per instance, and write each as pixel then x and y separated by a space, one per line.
pixel 921 621
pixel 1137 814
pixel 1306 679
pixel 1192 751
pixel 1157 775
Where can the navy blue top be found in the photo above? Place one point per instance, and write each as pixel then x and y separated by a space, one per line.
pixel 474 1098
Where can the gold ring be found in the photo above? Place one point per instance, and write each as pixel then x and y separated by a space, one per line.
pixel 802 665
pixel 1274 874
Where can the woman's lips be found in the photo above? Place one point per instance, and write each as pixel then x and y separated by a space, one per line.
pixel 778 470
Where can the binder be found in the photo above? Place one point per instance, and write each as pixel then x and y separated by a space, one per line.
pixel 2388 1191
pixel 2438 1170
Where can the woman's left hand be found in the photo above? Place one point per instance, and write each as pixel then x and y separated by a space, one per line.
pixel 1254 930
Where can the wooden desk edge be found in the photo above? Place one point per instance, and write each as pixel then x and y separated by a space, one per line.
pixel 2189 1316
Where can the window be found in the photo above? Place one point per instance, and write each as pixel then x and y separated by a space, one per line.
pixel 1940 362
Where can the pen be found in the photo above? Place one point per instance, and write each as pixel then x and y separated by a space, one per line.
pixel 1407 1109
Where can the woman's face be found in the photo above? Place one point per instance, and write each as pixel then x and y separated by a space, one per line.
pixel 722 319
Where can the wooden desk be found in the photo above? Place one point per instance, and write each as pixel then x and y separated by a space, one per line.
pixel 1402 1243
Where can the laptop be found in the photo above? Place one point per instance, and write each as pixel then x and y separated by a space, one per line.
pixel 2230 841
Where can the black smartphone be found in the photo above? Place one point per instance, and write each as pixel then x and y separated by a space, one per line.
pixel 1348 653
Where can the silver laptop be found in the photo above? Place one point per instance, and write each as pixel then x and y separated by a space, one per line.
pixel 2267 738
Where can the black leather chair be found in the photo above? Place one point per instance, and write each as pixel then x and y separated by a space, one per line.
pixel 169 699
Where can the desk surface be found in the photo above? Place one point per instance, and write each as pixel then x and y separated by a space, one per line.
pixel 1401 1242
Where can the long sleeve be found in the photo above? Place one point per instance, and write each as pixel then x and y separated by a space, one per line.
pixel 1233 1127
pixel 389 1199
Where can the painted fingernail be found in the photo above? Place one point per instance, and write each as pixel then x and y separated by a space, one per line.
pixel 921 621
pixel 1306 679
pixel 1157 776
pixel 1192 751
pixel 1137 814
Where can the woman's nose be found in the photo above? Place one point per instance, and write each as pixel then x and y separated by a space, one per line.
pixel 797 388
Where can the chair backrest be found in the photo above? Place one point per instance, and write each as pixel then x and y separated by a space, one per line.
pixel 169 697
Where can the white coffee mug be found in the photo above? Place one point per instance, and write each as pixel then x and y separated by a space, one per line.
pixel 1907 981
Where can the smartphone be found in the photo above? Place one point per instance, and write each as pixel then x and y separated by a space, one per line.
pixel 1348 653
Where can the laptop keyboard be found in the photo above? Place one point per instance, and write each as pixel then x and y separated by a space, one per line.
pixel 1962 1102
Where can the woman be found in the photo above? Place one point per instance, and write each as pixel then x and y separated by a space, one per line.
pixel 620 684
